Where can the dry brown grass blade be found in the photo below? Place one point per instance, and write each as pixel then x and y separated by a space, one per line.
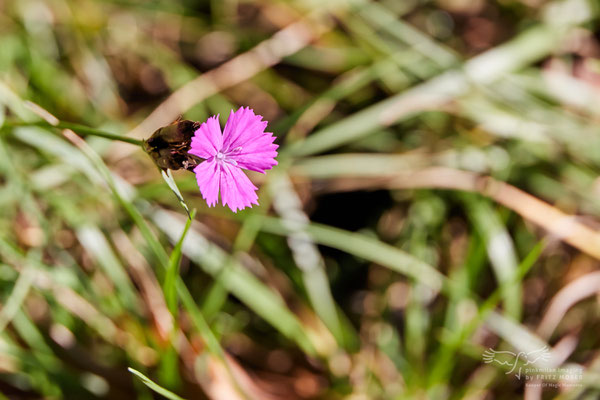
pixel 147 282
pixel 268 53
pixel 563 226
pixel 584 286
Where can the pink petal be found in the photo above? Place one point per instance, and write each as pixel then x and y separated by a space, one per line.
pixel 258 155
pixel 207 140
pixel 237 191
pixel 208 175
pixel 246 130
pixel 242 127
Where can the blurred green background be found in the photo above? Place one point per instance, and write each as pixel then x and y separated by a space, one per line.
pixel 437 199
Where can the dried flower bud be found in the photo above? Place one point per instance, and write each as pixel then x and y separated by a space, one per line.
pixel 169 145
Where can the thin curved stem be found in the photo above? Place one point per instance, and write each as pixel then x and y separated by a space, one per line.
pixel 81 129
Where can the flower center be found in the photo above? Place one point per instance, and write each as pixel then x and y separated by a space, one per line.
pixel 225 156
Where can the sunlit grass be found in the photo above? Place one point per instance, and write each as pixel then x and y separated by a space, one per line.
pixel 436 196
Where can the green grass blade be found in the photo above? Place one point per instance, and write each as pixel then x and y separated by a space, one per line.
pixel 94 241
pixel 308 259
pixel 15 300
pixel 237 280
pixel 526 48
pixel 441 365
pixel 365 247
pixel 169 285
pixel 169 371
pixel 168 178
pixel 500 249
pixel 154 386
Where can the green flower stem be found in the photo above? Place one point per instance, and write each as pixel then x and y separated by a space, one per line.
pixel 81 129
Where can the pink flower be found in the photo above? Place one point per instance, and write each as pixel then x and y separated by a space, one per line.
pixel 243 145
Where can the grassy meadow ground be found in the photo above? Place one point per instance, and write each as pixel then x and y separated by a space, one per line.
pixel 432 230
